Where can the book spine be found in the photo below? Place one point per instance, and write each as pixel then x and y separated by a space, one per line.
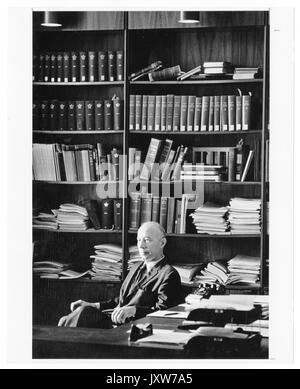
pixel 167 166
pixel 74 67
pixel 118 214
pixel 53 67
pixel 115 160
pixel 211 113
pixel 138 112
pixel 118 114
pixel 176 113
pixel 217 113
pixel 111 66
pixel 96 163
pixel 92 169
pixel 191 113
pixel 238 112
pixel 205 113
pixel 150 159
pixel 99 115
pixel 59 64
pixel 62 116
pixel 66 66
pixel 163 212
pixel 82 66
pixel 120 65
pixel 224 113
pixel 165 74
pixel 137 164
pixel 132 107
pixel 109 168
pixel 155 209
pixel 79 165
pixel 170 111
pixel 134 211
pixel 92 66
pixel 102 66
pixel 131 153
pixel 171 215
pixel 47 67
pixel 157 115
pixel 44 116
pixel 80 116
pixel 35 116
pixel 144 112
pixel 246 109
pixel 146 207
pixel 198 109
pixel 34 67
pixel 107 214
pixel 163 113
pixel 108 117
pixel 231 165
pixel 89 115
pixel 183 113
pixel 231 112
pixel 53 115
pixel 41 68
pixel 150 113
pixel 71 116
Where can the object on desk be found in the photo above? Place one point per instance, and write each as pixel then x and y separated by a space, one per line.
pixel 169 314
pixel 261 326
pixel 139 331
pixel 193 324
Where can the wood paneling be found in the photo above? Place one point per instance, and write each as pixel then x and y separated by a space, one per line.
pixel 169 19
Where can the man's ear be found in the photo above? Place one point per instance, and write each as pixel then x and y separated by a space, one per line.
pixel 163 242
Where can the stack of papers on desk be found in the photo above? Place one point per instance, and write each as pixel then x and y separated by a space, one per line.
pixel 243 269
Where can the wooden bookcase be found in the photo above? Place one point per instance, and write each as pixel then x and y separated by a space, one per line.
pixel 238 37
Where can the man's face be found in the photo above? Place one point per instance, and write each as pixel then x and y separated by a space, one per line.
pixel 150 243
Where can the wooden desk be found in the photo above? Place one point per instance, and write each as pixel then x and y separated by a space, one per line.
pixel 80 343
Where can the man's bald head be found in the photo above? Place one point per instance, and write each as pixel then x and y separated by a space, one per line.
pixel 151 239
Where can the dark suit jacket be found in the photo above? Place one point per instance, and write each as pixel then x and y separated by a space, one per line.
pixel 160 289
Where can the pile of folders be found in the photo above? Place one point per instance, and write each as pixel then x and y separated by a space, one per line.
pixel 80 66
pixel 98 115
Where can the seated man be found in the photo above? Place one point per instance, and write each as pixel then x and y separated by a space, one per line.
pixel 149 286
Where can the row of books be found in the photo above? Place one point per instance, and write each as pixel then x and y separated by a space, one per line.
pixel 90 115
pixel 102 214
pixel 83 66
pixel 189 113
pixel 85 162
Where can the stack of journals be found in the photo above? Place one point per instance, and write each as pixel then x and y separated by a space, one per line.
pixel 246 73
pixel 72 217
pixel 217 67
pixel 215 273
pixel 202 172
pixel 46 220
pixel 243 269
pixel 244 215
pixel 48 269
pixel 187 272
pixel 107 264
pixel 134 256
pixel 211 219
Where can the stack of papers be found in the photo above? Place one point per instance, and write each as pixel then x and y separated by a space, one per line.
pixel 134 256
pixel 107 264
pixel 211 219
pixel 244 215
pixel 49 269
pixel 72 217
pixel 46 220
pixel 243 269
pixel 214 273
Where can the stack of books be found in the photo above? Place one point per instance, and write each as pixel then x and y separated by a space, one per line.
pixel 244 215
pixel 243 269
pixel 246 73
pixel 107 262
pixel 72 217
pixel 215 273
pixel 221 67
pixel 134 257
pixel 202 172
pixel 211 219
pixel 46 220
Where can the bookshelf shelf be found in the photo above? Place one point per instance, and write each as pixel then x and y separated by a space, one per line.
pixel 88 231
pixel 78 182
pixel 197 133
pixel 243 287
pixel 198 82
pixel 207 236
pixel 157 183
pixel 77 280
pixel 95 83
pixel 78 132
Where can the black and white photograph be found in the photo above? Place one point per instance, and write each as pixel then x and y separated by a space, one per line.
pixel 153 188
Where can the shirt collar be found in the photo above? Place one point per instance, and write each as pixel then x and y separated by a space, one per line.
pixel 150 265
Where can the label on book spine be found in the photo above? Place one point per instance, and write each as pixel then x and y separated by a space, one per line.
pixel 102 66
pixel 246 108
pixel 132 105
pixel 71 116
pixel 118 214
pixel 224 113
pixel 238 112
pixel 53 115
pixel 63 116
pixel 107 214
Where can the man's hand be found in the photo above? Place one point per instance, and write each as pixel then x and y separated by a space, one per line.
pixel 71 319
pixel 83 304
pixel 120 314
